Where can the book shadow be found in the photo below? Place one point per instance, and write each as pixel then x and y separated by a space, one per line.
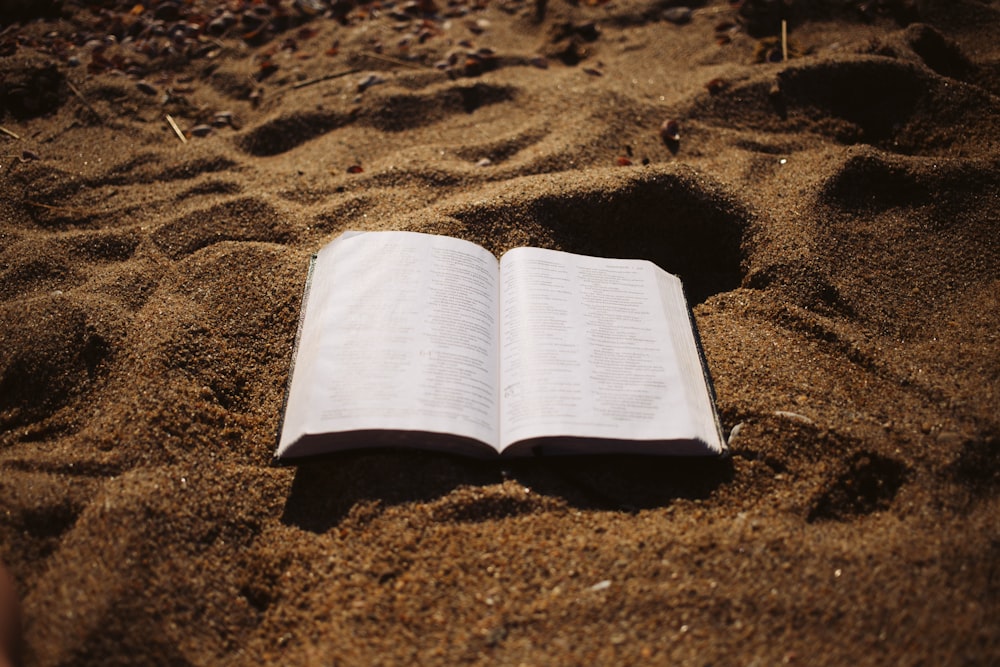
pixel 324 492
pixel 623 483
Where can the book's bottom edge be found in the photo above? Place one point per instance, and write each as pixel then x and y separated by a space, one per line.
pixel 577 446
pixel 313 446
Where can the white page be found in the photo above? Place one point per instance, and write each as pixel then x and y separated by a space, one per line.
pixel 586 350
pixel 400 333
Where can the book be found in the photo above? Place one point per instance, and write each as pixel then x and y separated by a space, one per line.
pixel 422 341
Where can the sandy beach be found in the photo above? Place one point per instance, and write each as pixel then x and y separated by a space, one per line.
pixel 831 201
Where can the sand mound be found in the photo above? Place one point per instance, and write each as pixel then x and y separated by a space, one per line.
pixel 833 216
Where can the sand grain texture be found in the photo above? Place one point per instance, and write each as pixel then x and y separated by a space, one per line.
pixel 835 218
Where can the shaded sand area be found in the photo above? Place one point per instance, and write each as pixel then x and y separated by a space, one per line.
pixel 835 218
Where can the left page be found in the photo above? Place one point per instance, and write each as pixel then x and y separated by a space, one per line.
pixel 398 336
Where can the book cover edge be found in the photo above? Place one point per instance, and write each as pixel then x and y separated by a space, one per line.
pixel 709 383
pixel 306 289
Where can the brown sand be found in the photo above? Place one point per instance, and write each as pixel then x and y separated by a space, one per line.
pixel 835 218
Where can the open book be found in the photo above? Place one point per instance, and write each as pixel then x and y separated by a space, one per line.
pixel 424 341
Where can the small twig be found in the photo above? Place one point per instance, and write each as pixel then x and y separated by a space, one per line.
pixel 64 209
pixel 9 133
pixel 76 91
pixel 327 77
pixel 394 61
pixel 784 40
pixel 177 130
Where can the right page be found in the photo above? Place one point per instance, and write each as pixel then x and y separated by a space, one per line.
pixel 599 355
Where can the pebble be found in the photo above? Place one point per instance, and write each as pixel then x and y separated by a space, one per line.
pixel 201 130
pixel 670 131
pixel 716 86
pixel 677 14
pixel 223 119
pixel 310 7
pixel 369 81
pixel 167 11
pixel 221 23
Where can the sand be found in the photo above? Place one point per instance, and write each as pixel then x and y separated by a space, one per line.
pixel 834 217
